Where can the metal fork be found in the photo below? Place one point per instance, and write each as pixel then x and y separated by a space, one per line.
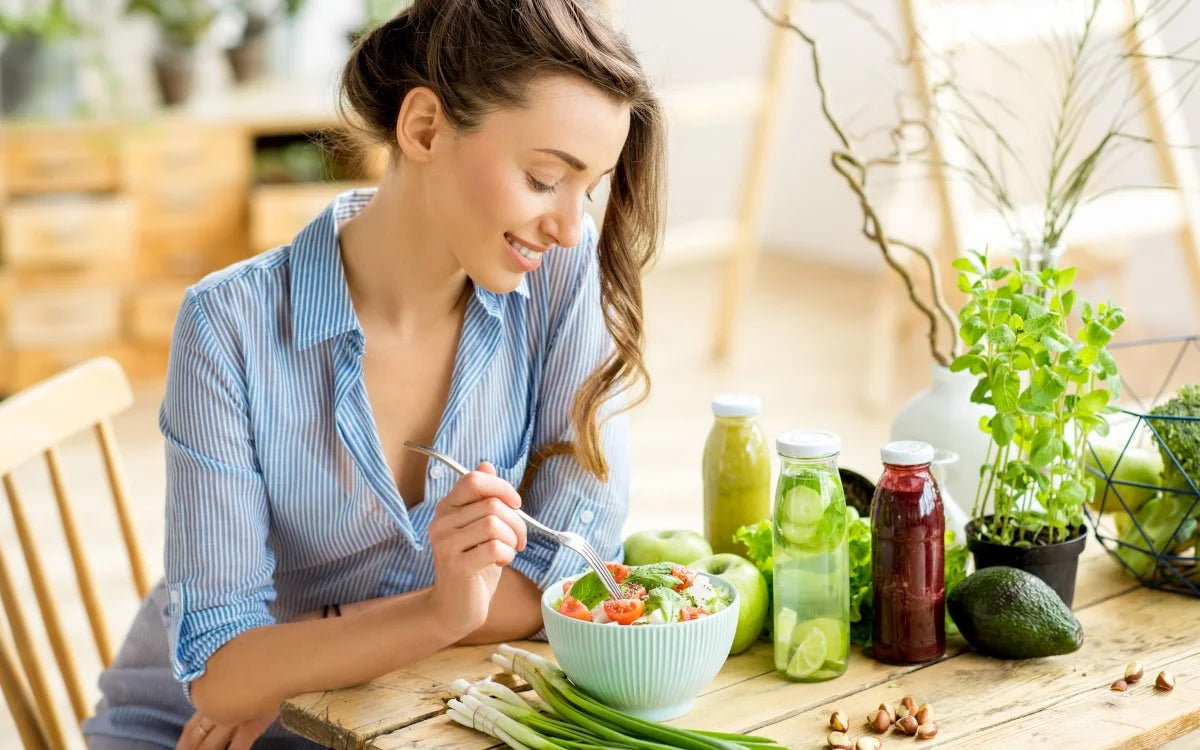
pixel 568 539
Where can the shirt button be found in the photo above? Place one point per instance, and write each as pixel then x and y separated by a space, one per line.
pixel 586 516
pixel 436 471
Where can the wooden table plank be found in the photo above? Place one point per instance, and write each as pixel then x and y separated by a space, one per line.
pixel 1141 718
pixel 352 717
pixel 974 694
pixel 406 709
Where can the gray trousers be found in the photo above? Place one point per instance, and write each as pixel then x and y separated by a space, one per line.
pixel 142 706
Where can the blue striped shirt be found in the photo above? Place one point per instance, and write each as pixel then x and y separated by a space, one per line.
pixel 279 498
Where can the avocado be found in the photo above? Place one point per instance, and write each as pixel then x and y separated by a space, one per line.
pixel 1012 614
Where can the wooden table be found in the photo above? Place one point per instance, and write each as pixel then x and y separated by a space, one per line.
pixel 980 702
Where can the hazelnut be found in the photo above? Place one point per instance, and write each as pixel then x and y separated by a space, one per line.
pixel 839 741
pixel 867 742
pixel 1164 681
pixel 927 731
pixel 910 703
pixel 1119 686
pixel 908 725
pixel 879 721
pixel 1133 671
pixel 839 722
pixel 924 714
pixel 890 712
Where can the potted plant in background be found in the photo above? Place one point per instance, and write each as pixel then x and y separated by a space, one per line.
pixel 1002 155
pixel 37 67
pixel 247 58
pixel 1050 390
pixel 182 25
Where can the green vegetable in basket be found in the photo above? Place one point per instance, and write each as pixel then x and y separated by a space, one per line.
pixel 1167 531
pixel 1180 436
pixel 1124 468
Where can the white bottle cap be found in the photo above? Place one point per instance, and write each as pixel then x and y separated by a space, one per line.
pixel 736 405
pixel 808 444
pixel 906 453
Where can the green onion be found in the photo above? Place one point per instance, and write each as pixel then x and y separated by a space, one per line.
pixel 567 718
pixel 551 683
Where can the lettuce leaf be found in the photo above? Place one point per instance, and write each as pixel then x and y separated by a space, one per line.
pixel 668 600
pixel 589 590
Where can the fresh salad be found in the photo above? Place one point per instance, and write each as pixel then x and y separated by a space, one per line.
pixel 654 594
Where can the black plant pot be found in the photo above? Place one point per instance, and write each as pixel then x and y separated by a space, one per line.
pixel 248 60
pixel 175 71
pixel 1056 564
pixel 22 65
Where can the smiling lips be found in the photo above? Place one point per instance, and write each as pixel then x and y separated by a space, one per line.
pixel 526 256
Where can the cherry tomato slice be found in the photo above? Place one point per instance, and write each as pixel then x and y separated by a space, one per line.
pixel 634 591
pixel 692 613
pixel 618 570
pixel 572 607
pixel 685 575
pixel 624 611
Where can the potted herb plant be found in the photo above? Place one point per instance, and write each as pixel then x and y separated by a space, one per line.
pixel 182 24
pixel 36 58
pixel 247 58
pixel 1050 389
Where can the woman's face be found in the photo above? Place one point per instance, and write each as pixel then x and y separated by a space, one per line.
pixel 513 188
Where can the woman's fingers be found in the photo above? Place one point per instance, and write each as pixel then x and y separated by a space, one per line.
pixel 486 529
pixel 477 485
pixel 491 552
pixel 249 731
pixel 468 514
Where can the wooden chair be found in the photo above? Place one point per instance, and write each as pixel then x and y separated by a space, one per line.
pixel 33 422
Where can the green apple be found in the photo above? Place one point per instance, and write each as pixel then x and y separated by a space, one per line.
pixel 752 594
pixel 678 546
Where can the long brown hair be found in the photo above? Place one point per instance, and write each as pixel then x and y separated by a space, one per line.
pixel 478 56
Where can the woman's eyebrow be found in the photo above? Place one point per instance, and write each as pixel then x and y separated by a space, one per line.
pixel 571 161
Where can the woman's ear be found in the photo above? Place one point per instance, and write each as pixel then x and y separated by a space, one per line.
pixel 418 123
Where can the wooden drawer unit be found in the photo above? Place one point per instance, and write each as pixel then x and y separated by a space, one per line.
pixel 152 312
pixel 59 159
pixel 279 212
pixel 186 155
pixel 27 366
pixel 191 230
pixel 64 316
pixel 68 233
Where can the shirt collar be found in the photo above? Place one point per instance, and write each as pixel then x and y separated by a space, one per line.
pixel 321 306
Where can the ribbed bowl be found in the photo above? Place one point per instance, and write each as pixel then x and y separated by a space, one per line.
pixel 651 671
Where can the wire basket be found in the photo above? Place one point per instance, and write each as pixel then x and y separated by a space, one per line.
pixel 1151 529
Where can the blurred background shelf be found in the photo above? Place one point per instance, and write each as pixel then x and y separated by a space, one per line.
pixel 105 224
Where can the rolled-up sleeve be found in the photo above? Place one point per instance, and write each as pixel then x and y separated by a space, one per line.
pixel 217 563
pixel 564 495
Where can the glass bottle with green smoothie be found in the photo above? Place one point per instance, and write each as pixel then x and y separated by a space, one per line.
pixel 737 470
pixel 811 559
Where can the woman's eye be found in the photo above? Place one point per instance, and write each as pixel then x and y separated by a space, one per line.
pixel 540 186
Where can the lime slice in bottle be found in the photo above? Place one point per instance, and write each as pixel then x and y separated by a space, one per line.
pixel 834 632
pixel 809 656
pixel 785 625
pixel 803 505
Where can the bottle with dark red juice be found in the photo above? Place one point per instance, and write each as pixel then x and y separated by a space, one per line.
pixel 908 557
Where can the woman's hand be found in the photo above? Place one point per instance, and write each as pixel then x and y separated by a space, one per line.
pixel 202 733
pixel 474 533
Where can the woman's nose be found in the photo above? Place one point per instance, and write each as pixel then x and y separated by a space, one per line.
pixel 565 225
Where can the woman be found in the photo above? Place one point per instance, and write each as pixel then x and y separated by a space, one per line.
pixel 468 303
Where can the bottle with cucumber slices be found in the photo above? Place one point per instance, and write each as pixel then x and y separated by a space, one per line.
pixel 811 559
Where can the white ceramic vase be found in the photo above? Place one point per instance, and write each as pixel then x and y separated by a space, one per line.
pixel 943 416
